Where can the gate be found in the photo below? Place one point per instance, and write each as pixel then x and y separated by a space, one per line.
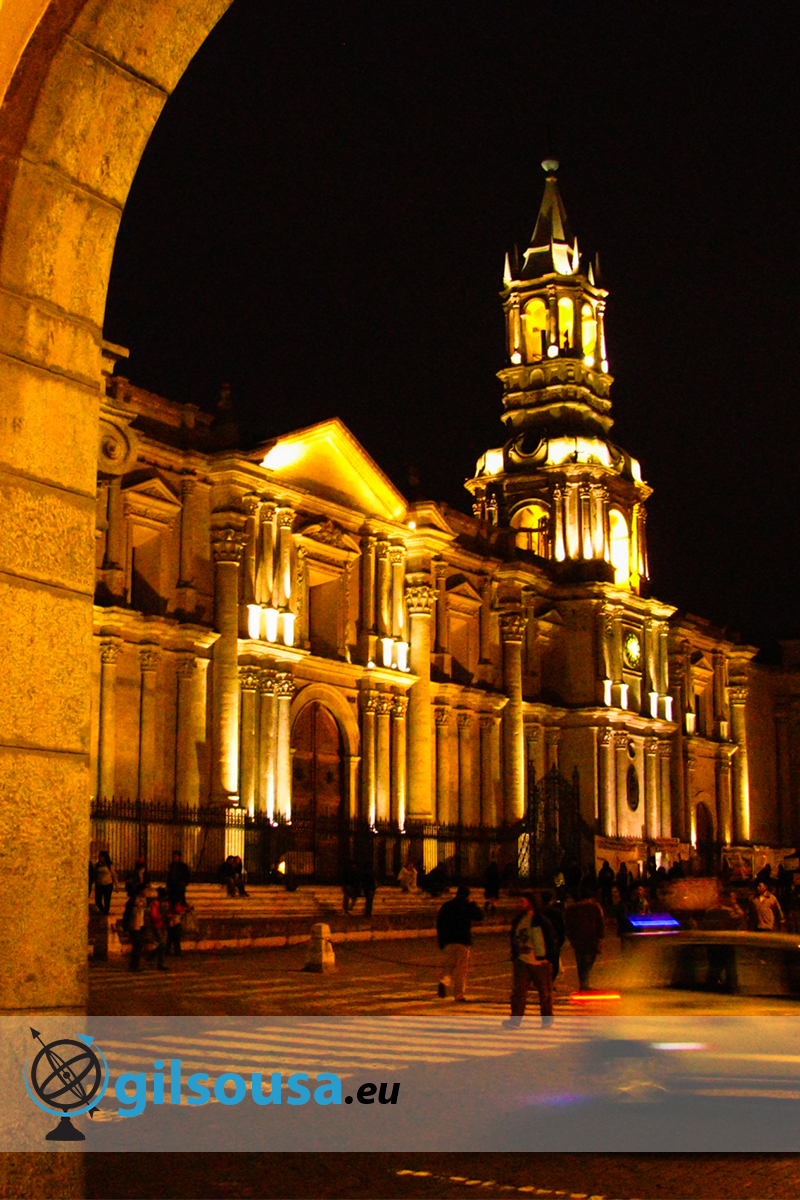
pixel 551 828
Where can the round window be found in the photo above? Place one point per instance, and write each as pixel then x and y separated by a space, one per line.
pixel 633 788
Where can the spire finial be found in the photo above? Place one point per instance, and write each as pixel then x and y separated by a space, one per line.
pixel 549 165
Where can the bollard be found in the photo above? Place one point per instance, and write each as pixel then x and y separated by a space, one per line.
pixel 320 956
pixel 106 943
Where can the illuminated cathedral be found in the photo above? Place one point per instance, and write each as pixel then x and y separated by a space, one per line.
pixel 281 636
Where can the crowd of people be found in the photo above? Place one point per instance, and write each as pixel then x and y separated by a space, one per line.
pixel 152 919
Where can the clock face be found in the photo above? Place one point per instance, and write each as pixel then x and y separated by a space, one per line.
pixel 632 650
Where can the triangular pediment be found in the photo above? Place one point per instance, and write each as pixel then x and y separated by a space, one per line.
pixel 459 586
pixel 151 487
pixel 327 460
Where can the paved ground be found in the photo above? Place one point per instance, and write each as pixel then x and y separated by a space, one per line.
pixel 390 978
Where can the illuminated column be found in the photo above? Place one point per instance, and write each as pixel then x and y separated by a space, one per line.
pixel 382 758
pixel 268 730
pixel 187 782
pixel 599 502
pixel 285 590
pixel 148 724
pixel 468 803
pixel 619 697
pixel 384 591
pixel 651 806
pixel 488 746
pixel 621 773
pixel 690 827
pixel 302 632
pixel 485 622
pixel 440 570
pixel 116 543
pixel 585 524
pixel 572 520
pixel 265 566
pixel 369 708
pixel 250 505
pixel 227 549
pixel 741 781
pixel 399 752
pixel 552 737
pixel 664 756
pixel 367 587
pixel 724 806
pixel 107 747
pixel 352 763
pixel 284 690
pixel 559 539
pixel 397 558
pixel 189 521
pixel 512 629
pixel 601 333
pixel 419 598
pixel 444 806
pixel 249 678
pixel 608 783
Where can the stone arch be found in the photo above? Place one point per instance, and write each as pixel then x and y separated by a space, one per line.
pixel 339 708
pixel 90 78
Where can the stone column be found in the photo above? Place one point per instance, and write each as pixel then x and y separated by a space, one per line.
pixel 419 599
pixel 285 582
pixel 384 592
pixel 559 538
pixel 468 802
pixel 608 782
pixel 251 506
pixel 383 758
pixel 512 629
pixel 265 565
pixel 690 826
pixel 724 807
pixel 148 727
pixel 664 755
pixel 249 679
pixel 352 763
pixel 115 564
pixel 741 779
pixel 367 593
pixel 186 587
pixel 488 726
pixel 552 737
pixel 651 805
pixel 284 690
pixel 303 631
pixel 107 746
pixel 186 768
pixel 268 734
pixel 485 619
pixel 397 557
pixel 399 752
pixel 227 548
pixel 621 772
pixel 444 808
pixel 369 709
pixel 440 570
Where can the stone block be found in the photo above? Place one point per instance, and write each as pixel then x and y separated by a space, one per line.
pixel 42 413
pixel 46 534
pixel 46 654
pixel 31 332
pixel 45 801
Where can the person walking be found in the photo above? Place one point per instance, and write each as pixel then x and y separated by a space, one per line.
pixel 369 886
pixel 105 880
pixel 351 887
pixel 178 878
pixel 605 878
pixel 133 923
pixel 765 911
pixel 554 911
pixel 585 929
pixel 454 931
pixel 533 949
pixel 491 887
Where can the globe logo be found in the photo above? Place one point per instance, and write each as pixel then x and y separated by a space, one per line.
pixel 68 1077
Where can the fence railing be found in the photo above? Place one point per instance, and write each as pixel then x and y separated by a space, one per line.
pixel 310 848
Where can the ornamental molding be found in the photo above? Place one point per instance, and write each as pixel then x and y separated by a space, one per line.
pixel 249 678
pixel 109 653
pixel 399 707
pixel 420 600
pixel 185 666
pixel 151 502
pixel 512 626
pixel 227 544
pixel 148 659
pixel 118 445
pixel 266 682
pixel 442 717
pixel 664 749
pixel 285 686
pixel 737 695
pixel 651 745
pixel 385 705
pixel 464 720
pixel 606 737
pixel 621 741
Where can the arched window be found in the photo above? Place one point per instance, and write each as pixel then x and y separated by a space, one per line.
pixel 534 329
pixel 620 547
pixel 566 323
pixel 533 529
pixel 588 331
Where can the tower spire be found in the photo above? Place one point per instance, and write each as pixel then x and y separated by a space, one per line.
pixel 553 248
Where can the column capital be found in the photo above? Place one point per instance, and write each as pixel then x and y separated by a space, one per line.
pixel 440 569
pixel 664 748
pixel 606 736
pixel 399 707
pixel 148 659
pixel 249 678
pixel 285 518
pixel 284 684
pixel 621 740
pixel 188 485
pixel 738 694
pixel 397 553
pixel 385 704
pixel 533 734
pixel 109 652
pixel 383 548
pixel 651 745
pixel 266 681
pixel 487 720
pixel 185 665
pixel 442 717
pixel 552 735
pixel 250 504
pixel 227 544
pixel 464 720
pixel 512 626
pixel 420 600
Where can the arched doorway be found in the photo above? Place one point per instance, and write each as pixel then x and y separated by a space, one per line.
pixel 706 849
pixel 317 794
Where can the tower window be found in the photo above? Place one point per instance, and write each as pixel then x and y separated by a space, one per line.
pixel 588 331
pixel 566 323
pixel 534 329
pixel 533 529
pixel 620 547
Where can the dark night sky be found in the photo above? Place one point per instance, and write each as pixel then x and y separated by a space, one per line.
pixel 322 212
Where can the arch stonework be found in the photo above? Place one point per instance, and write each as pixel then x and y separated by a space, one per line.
pixel 347 721
pixel 90 78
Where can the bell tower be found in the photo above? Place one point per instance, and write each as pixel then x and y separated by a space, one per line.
pixel 571 496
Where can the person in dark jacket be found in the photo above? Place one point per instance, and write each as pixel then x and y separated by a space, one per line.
pixel 491 890
pixel 454 931
pixel 585 930
pixel 533 951
pixel 369 886
pixel 553 910
pixel 178 877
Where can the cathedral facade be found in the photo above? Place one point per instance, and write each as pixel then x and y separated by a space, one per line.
pixel 280 634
